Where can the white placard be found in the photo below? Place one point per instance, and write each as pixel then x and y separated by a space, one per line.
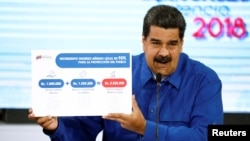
pixel 81 83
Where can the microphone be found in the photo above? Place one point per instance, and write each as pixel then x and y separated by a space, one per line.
pixel 158 80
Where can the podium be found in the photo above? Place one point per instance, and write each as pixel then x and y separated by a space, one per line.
pixel 21 116
pixel 15 116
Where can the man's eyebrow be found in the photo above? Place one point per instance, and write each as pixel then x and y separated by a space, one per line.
pixel 173 41
pixel 157 40
pixel 154 40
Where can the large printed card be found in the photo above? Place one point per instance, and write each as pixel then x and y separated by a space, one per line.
pixel 81 83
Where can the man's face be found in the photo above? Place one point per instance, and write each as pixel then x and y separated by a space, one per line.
pixel 162 48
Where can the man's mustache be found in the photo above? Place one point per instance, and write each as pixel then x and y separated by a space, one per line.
pixel 162 59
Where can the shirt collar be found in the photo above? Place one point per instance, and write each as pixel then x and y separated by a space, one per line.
pixel 174 79
pixel 145 72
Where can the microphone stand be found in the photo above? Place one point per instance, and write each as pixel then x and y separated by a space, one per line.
pixel 158 80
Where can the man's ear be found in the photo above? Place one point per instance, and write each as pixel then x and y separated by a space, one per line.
pixel 182 43
pixel 143 43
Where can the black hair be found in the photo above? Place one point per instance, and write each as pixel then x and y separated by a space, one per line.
pixel 165 16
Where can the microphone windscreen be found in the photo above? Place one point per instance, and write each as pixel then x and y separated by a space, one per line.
pixel 158 77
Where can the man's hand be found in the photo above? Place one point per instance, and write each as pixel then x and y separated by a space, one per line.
pixel 47 122
pixel 133 122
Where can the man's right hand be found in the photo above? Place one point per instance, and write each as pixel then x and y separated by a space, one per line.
pixel 47 122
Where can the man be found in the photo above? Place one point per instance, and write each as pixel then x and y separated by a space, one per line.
pixel 187 100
